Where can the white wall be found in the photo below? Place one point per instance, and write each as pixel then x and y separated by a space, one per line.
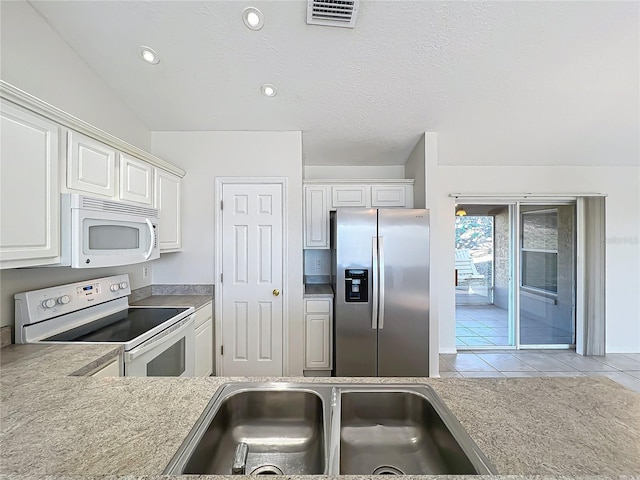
pixel 361 173
pixel 207 155
pixel 415 168
pixel 36 60
pixel 621 184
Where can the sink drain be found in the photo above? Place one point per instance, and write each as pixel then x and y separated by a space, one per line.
pixel 387 470
pixel 267 470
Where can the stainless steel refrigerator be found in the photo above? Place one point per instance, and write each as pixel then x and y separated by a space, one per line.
pixel 381 285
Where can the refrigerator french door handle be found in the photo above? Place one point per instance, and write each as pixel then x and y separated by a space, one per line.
pixel 381 282
pixel 374 274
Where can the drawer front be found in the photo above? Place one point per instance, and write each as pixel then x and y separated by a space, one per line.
pixel 318 306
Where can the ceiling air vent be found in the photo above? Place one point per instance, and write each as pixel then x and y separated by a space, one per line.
pixel 332 13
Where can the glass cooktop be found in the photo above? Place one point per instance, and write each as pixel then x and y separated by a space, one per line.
pixel 119 327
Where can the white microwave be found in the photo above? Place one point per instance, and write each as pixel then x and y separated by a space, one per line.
pixel 104 233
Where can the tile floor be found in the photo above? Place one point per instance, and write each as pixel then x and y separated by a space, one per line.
pixel 486 325
pixel 624 368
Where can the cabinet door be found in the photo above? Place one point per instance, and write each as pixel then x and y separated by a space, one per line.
pixel 349 196
pixel 388 196
pixel 136 180
pixel 318 334
pixel 168 205
pixel 318 344
pixel 29 189
pixel 316 217
pixel 204 349
pixel 90 165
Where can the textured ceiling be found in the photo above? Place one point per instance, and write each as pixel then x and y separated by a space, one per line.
pixel 502 83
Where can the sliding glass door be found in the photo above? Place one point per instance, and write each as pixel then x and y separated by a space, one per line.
pixel 515 275
pixel 547 275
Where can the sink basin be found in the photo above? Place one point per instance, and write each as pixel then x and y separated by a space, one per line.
pixel 284 431
pixel 397 432
pixel 331 429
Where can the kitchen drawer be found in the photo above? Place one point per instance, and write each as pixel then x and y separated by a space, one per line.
pixel 317 306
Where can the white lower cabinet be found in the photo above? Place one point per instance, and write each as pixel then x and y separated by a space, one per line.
pixel 111 370
pixel 204 340
pixel 29 189
pixel 318 327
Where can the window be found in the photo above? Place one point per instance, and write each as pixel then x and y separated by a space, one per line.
pixel 539 260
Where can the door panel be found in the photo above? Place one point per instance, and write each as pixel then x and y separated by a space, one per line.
pixel 355 339
pixel 252 279
pixel 403 333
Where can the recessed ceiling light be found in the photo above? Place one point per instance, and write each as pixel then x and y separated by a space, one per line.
pixel 253 18
pixel 149 55
pixel 268 90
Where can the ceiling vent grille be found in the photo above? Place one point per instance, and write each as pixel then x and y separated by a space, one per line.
pixel 332 13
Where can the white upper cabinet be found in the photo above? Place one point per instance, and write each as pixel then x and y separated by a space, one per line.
pixel 136 180
pixel 29 189
pixel 91 165
pixel 316 212
pixel 349 196
pixel 167 195
pixel 392 196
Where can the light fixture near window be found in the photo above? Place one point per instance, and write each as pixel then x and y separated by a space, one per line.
pixel 253 18
pixel 149 55
pixel 460 211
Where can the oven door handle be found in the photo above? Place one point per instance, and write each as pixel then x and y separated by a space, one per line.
pixel 166 336
pixel 152 235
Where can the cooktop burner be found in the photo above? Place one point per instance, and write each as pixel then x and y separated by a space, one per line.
pixel 118 327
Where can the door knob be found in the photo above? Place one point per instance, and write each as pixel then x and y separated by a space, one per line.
pixel 276 292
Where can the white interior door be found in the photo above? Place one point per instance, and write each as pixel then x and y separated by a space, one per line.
pixel 252 279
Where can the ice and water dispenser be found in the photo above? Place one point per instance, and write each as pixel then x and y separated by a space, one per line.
pixel 356 285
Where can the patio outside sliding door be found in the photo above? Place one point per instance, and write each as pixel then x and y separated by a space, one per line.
pixel 484 285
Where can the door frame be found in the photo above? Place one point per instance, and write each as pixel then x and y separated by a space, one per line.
pixel 219 184
pixel 515 201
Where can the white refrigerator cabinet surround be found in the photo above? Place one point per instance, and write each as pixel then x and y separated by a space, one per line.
pixel 29 189
pixel 322 196
pixel 316 214
pixel 91 165
pixel 318 334
pixel 136 180
pixel 167 193
pixel 204 340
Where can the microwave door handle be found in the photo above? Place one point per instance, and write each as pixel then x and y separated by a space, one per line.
pixel 167 338
pixel 153 238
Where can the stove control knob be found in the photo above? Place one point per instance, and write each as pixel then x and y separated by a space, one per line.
pixel 124 285
pixel 49 303
pixel 64 299
pixel 115 287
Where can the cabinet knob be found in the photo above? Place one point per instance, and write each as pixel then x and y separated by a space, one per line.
pixel 276 292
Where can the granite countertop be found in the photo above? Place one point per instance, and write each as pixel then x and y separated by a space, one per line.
pixel 63 425
pixel 318 290
pixel 195 301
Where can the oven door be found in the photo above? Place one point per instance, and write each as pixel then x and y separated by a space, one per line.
pixel 171 353
pixel 102 239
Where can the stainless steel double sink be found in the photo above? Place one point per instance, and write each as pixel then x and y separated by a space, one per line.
pixel 331 429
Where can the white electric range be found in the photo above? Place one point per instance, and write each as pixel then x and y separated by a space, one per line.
pixel 157 341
